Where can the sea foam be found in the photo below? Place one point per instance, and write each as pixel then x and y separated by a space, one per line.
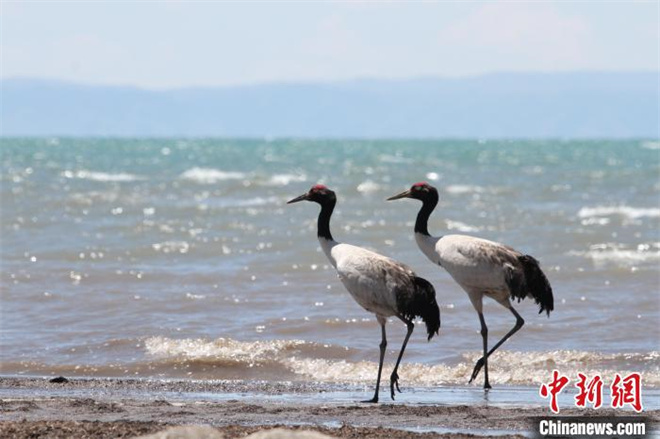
pixel 619 255
pixel 222 350
pixel 649 144
pixel 461 227
pixel 101 176
pixel 507 367
pixel 368 186
pixel 285 179
pixel 210 176
pixel 625 211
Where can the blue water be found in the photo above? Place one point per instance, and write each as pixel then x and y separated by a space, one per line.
pixel 180 258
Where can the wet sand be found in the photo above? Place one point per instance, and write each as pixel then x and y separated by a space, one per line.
pixel 35 407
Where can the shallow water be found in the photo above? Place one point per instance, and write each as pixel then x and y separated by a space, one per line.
pixel 180 258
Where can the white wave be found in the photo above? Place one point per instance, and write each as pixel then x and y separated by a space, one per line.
pixel 367 187
pixel 285 179
pixel 595 221
pixel 620 255
pixel 257 201
pixel 625 211
pixel 221 349
pixel 461 227
pixel 171 247
pixel 459 189
pixel 101 176
pixel 210 176
pixel 626 257
pixel 433 176
pixel 651 144
pixel 508 367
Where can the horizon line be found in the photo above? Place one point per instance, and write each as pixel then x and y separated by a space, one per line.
pixel 357 79
pixel 270 139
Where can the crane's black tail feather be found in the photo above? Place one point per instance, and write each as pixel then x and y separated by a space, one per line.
pixel 536 284
pixel 425 306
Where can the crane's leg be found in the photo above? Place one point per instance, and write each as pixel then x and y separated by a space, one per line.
pixel 394 378
pixel 383 346
pixel 484 336
pixel 519 324
pixel 476 297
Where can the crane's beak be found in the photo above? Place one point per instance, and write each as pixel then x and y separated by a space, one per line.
pixel 404 194
pixel 300 198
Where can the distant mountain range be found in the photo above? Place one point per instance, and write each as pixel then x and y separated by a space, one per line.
pixel 575 105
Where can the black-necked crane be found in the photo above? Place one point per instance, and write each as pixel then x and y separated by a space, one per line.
pixel 481 268
pixel 379 284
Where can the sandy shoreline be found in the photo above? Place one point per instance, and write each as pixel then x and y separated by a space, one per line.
pixel 34 407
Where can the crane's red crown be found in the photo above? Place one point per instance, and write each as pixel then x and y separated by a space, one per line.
pixel 420 184
pixel 319 187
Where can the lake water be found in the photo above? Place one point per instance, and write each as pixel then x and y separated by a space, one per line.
pixel 179 258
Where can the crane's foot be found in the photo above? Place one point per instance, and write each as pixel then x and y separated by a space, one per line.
pixel 373 400
pixel 394 381
pixel 487 386
pixel 477 369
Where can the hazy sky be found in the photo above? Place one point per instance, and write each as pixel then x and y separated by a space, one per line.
pixel 172 44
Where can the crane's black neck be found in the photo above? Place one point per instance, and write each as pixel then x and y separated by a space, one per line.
pixel 429 203
pixel 323 223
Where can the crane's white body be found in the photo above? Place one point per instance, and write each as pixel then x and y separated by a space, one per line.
pixel 369 277
pixel 478 265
